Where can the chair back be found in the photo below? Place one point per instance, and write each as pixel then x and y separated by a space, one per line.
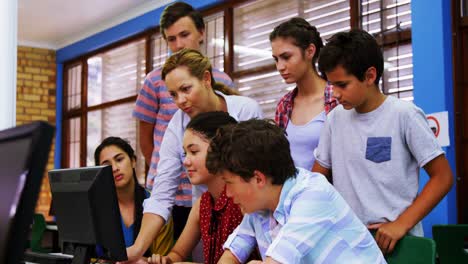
pixel 37 233
pixel 413 250
pixel 451 244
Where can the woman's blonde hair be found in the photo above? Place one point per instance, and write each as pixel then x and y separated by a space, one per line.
pixel 197 64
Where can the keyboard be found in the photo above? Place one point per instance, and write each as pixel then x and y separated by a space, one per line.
pixel 47 258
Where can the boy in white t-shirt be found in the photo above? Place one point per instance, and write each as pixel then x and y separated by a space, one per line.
pixel 373 145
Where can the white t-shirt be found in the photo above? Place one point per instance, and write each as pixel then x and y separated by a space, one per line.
pixel 375 157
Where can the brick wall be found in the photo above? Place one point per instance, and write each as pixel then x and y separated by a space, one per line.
pixel 35 100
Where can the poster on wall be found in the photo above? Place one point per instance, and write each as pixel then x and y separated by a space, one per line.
pixel 438 122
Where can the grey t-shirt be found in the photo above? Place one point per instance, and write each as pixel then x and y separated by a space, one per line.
pixel 375 157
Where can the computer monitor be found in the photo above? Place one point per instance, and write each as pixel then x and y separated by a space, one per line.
pixel 24 151
pixel 87 213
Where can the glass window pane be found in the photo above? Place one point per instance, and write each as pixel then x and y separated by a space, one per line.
pixel 254 22
pixel 329 17
pixel 398 72
pixel 385 15
pixel 113 121
pixel 117 73
pixel 252 49
pixel 160 51
pixel 266 89
pixel 464 8
pixel 74 87
pixel 213 46
pixel 73 142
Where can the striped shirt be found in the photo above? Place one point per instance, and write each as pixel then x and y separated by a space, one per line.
pixel 154 105
pixel 313 224
pixel 285 105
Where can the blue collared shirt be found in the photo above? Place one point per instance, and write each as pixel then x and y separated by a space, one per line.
pixel 315 224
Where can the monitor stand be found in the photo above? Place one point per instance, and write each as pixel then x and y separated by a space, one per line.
pixel 82 254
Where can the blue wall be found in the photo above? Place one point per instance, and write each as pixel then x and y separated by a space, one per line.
pixel 102 39
pixel 433 85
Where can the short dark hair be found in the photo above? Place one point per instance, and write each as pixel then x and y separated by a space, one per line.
pixel 206 124
pixel 356 51
pixel 252 145
pixel 301 32
pixel 178 10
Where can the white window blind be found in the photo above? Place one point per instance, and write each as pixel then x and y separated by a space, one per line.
pixel 74 87
pixel 252 27
pixel 385 17
pixel 266 88
pixel 113 75
pixel 160 50
pixel 213 46
pixel 113 121
pixel 398 72
pixel 329 17
pixel 254 22
pixel 116 74
pixel 73 141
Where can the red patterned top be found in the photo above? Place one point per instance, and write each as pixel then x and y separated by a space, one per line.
pixel 217 221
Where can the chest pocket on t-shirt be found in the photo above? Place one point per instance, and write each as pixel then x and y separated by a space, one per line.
pixel 379 149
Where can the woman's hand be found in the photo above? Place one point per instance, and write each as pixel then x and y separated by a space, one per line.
pixel 158 259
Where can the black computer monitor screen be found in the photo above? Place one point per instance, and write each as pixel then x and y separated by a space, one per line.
pixel 87 212
pixel 24 152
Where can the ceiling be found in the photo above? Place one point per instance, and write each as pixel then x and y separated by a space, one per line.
pixel 55 24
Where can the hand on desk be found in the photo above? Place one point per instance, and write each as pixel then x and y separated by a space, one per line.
pixel 134 257
pixel 141 260
pixel 158 259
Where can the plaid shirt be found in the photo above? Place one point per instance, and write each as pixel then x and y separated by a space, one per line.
pixel 285 105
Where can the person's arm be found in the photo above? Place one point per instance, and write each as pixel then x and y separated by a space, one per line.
pixel 146 140
pixel 187 240
pixel 151 225
pixel 426 150
pixel 323 152
pixel 228 258
pixel 146 110
pixel 322 170
pixel 439 184
pixel 157 208
pixel 242 241
pixel 311 216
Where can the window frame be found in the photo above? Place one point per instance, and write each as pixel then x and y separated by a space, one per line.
pixel 386 40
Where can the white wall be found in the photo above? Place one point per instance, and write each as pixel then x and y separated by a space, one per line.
pixel 8 41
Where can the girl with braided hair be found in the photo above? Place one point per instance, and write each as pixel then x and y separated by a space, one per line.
pixel 301 112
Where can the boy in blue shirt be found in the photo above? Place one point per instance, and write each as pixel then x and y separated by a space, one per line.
pixel 291 214
pixel 373 145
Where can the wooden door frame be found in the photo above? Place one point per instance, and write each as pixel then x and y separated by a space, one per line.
pixel 459 27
